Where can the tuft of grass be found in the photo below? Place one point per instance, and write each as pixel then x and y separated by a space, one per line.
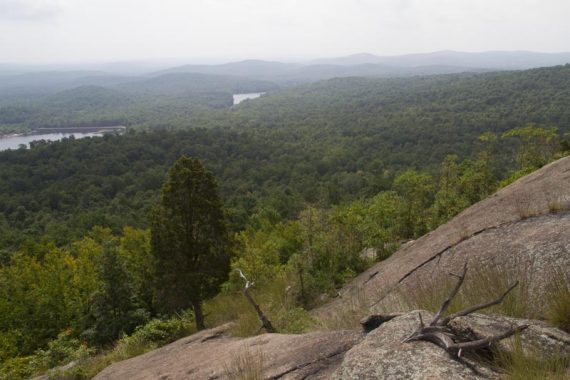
pixel 245 365
pixel 484 282
pixel 558 302
pixel 558 205
pixel 516 364
pixel 346 318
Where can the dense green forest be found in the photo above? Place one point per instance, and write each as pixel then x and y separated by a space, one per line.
pixel 166 100
pixel 310 176
pixel 324 144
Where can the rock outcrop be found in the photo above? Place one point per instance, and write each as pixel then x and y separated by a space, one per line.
pixel 340 355
pixel 382 355
pixel 213 354
pixel 523 228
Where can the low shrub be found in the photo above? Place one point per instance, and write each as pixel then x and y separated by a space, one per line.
pixel 155 333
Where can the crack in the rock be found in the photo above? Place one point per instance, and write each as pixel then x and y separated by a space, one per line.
pixel 371 277
pixel 437 256
pixel 441 252
pixel 312 362
pixel 215 335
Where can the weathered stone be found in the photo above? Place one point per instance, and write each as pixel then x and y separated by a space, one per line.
pixel 209 354
pixel 382 355
pixel 537 339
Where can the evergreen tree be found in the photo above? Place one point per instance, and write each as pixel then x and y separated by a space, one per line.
pixel 189 239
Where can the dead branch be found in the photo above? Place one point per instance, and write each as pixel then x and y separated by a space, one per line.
pixel 450 298
pixel 439 332
pixel 475 308
pixel 265 322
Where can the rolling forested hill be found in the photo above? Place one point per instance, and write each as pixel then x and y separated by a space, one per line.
pixel 324 143
pixel 165 100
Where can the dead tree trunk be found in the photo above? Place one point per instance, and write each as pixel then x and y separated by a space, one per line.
pixel 439 332
pixel 265 322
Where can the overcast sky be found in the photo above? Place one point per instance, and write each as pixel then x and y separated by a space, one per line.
pixel 52 31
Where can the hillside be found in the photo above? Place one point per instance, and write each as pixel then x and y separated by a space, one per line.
pixel 67 100
pixel 176 84
pixel 518 233
pixel 523 223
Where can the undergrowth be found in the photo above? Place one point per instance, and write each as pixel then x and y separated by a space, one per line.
pixel 154 334
pixel 516 364
pixel 275 299
pixel 347 317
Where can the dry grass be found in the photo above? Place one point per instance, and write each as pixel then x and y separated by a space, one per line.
pixel 245 365
pixel 346 318
pixel 483 283
pixel 487 282
pixel 515 364
pixel 275 300
pixel 558 311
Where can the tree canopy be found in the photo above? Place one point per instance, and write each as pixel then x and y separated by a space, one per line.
pixel 189 239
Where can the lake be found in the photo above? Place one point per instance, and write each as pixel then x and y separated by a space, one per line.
pixel 14 141
pixel 238 98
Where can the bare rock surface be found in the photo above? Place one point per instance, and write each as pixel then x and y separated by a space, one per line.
pixel 525 223
pixel 382 355
pixel 210 354
pixel 340 354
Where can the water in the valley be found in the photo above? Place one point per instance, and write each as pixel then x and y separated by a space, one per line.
pixel 238 98
pixel 17 141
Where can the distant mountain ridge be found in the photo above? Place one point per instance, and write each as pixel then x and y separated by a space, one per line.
pixel 28 81
pixel 504 60
pixel 365 64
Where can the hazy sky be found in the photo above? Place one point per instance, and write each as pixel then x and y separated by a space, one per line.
pixel 218 30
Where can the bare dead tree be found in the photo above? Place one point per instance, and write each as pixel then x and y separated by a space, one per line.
pixel 439 332
pixel 265 322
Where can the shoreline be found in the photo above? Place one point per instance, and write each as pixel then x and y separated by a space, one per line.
pixel 71 130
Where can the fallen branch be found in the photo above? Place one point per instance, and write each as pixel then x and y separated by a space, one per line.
pixel 439 332
pixel 265 322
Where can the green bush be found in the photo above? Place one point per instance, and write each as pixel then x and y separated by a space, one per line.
pixel 161 332
pixel 154 334
pixel 60 351
pixel 16 368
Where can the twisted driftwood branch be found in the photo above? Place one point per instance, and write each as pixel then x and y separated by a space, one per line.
pixel 439 332
pixel 265 322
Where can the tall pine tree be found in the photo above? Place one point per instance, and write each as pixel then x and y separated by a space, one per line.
pixel 189 239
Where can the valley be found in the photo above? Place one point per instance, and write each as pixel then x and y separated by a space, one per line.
pixel 340 191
